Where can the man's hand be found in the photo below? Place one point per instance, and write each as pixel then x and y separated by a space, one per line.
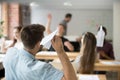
pixel 57 44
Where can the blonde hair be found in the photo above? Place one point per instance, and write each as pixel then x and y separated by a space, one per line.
pixel 89 54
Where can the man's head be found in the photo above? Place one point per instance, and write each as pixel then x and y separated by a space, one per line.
pixel 104 29
pixel 31 36
pixel 68 17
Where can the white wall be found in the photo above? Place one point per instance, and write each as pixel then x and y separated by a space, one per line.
pixel 116 30
pixel 82 20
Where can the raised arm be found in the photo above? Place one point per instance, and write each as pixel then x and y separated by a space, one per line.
pixel 69 73
pixel 69 45
pixel 48 24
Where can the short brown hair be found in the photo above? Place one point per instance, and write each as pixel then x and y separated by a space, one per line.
pixel 68 15
pixel 31 35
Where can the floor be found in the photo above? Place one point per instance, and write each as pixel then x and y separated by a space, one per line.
pixel 111 75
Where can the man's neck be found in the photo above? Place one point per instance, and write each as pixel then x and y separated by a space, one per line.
pixel 18 40
pixel 59 35
pixel 32 51
pixel 65 20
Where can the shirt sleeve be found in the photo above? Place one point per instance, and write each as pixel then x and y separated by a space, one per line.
pixel 52 73
pixel 77 60
pixel 63 23
pixel 76 63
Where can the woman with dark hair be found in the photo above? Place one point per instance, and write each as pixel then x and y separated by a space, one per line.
pixel 85 62
pixel 106 52
pixel 16 40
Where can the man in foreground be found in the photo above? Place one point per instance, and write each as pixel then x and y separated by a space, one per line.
pixel 22 65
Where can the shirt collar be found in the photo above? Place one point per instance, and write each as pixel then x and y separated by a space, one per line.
pixel 26 53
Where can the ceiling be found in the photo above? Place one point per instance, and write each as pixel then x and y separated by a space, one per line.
pixel 76 4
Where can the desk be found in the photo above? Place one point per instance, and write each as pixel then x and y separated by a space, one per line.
pixel 107 67
pixel 53 55
pixel 101 77
pixel 98 67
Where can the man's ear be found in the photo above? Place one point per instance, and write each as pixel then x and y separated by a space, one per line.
pixel 38 44
pixel 41 47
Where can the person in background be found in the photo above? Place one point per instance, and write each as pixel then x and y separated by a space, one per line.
pixel 16 41
pixel 67 45
pixel 64 22
pixel 78 39
pixel 22 65
pixel 88 55
pixel 106 52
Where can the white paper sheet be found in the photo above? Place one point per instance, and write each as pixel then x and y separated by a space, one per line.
pixel 1 57
pixel 88 77
pixel 100 37
pixel 46 42
pixel 47 53
pixel 110 62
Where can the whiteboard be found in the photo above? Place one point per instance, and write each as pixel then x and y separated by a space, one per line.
pixel 83 20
